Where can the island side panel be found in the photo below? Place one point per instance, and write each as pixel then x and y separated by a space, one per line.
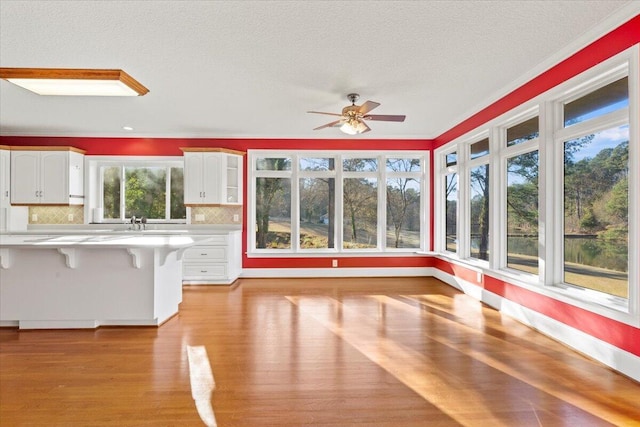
pixel 167 285
pixel 38 289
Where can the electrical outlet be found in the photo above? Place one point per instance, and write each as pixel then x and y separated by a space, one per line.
pixel 34 217
pixel 236 217
pixel 70 217
pixel 199 217
pixel 334 263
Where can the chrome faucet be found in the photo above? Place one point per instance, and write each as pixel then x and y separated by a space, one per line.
pixel 138 223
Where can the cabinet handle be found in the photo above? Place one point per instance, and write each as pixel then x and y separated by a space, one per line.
pixel 204 271
pixel 204 254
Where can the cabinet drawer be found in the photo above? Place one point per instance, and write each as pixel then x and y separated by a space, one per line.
pixel 205 253
pixel 213 270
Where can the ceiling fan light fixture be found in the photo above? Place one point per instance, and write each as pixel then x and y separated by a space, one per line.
pixel 353 127
pixel 74 82
pixel 349 129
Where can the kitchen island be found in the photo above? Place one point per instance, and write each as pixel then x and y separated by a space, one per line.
pixel 93 279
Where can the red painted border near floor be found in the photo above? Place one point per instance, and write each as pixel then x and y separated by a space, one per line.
pixel 343 262
pixel 618 334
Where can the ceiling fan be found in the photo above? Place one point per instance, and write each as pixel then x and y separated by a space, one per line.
pixel 352 119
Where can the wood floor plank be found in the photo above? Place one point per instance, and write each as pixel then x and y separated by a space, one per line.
pixel 316 352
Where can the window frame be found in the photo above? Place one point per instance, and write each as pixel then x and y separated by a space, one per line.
pixel 295 174
pixel 96 165
pixel 552 134
pixel 504 154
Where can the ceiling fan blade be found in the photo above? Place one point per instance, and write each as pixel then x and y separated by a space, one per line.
pixel 367 127
pixel 328 125
pixel 368 106
pixel 385 117
pixel 328 114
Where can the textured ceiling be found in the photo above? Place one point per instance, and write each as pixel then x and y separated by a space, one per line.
pixel 232 69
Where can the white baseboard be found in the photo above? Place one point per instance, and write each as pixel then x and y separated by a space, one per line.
pixel 58 324
pixel 336 272
pixel 614 357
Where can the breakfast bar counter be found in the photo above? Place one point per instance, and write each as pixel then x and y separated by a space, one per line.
pixel 93 279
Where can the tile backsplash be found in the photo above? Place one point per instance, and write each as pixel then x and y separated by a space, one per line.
pixel 216 215
pixel 75 215
pixel 56 214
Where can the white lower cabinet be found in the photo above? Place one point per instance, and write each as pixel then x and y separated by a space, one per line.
pixel 217 261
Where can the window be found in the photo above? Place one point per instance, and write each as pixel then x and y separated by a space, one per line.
pixel 520 228
pixel 317 190
pixel 596 211
pixel 606 99
pixel 523 132
pixel 336 202
pixel 155 191
pixel 360 204
pixel 273 203
pixel 522 212
pixel 479 201
pixel 451 212
pixel 403 202
pixel 480 148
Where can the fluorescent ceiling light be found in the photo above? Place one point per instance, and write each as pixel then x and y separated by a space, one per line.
pixel 74 82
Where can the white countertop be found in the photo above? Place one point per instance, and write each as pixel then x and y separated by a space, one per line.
pixel 123 229
pixel 100 240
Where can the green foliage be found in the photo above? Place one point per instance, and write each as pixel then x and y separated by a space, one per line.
pixel 618 204
pixel 145 190
pixel 598 184
pixel 589 222
pixel 111 193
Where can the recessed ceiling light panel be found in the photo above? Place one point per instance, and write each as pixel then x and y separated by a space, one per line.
pixel 74 82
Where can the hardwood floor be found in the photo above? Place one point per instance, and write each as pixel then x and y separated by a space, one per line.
pixel 321 352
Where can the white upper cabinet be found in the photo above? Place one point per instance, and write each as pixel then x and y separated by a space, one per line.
pixel 212 176
pixel 51 175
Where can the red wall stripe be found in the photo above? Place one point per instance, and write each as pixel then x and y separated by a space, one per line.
pixel 343 262
pixel 171 146
pixel 607 46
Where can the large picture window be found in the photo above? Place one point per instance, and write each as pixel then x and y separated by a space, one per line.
pixel 336 202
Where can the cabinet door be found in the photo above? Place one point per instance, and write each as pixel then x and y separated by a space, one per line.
pixel 212 185
pixel 193 177
pixel 233 180
pixel 5 177
pixel 76 178
pixel 54 177
pixel 5 199
pixel 25 177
